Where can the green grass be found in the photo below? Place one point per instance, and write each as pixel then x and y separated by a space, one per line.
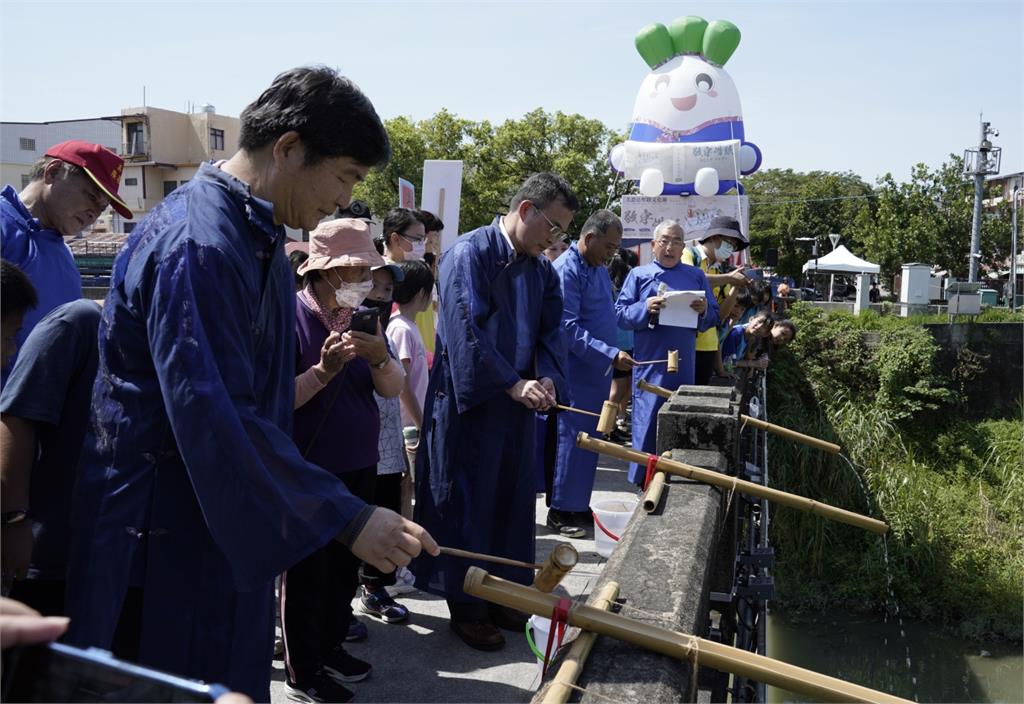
pixel 952 490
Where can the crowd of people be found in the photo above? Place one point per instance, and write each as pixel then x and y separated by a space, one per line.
pixel 246 427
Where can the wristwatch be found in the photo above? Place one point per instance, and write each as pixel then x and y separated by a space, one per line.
pixel 382 363
pixel 9 517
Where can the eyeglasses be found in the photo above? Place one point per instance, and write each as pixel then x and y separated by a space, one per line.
pixel 668 243
pixel 414 240
pixel 556 230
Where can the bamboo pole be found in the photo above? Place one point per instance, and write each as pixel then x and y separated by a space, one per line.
pixel 808 440
pixel 652 497
pixel 726 482
pixel 560 689
pixel 558 564
pixel 455 552
pixel 708 653
pixel 654 389
pixel 577 410
pixel 606 421
pixel 562 559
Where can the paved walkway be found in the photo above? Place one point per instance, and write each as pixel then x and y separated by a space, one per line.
pixel 423 661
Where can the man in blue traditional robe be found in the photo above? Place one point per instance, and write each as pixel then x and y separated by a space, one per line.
pixel 588 321
pixel 192 495
pixel 639 301
pixel 500 356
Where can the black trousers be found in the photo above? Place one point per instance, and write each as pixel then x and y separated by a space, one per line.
pixel 704 367
pixel 317 592
pixel 44 595
pixel 388 494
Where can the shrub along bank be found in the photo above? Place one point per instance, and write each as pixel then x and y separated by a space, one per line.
pixel 951 489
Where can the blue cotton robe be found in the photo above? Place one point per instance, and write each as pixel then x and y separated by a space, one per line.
pixel 40 252
pixel 588 321
pixel 192 488
pixel 649 344
pixel 499 321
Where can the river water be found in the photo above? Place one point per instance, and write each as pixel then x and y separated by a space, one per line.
pixel 870 652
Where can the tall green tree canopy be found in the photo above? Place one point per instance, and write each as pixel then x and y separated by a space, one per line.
pixel 497 159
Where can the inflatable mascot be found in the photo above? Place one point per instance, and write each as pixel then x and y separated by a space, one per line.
pixel 686 136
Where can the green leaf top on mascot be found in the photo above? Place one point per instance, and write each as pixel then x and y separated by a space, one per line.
pixel 687 135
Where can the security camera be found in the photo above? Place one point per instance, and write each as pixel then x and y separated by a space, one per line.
pixel 995 133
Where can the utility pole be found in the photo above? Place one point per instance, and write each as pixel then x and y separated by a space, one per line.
pixel 979 163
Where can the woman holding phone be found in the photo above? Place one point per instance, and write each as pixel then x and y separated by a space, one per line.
pixel 342 358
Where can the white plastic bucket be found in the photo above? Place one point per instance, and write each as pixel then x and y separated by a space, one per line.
pixel 537 629
pixel 611 516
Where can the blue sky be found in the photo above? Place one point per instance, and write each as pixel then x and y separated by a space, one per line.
pixel 866 86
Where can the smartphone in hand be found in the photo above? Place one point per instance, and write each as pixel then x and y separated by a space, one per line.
pixel 365 321
pixel 55 672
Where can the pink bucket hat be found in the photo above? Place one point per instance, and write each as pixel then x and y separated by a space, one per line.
pixel 341 242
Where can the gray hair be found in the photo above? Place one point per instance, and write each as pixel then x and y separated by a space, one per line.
pixel 67 169
pixel 665 225
pixel 600 222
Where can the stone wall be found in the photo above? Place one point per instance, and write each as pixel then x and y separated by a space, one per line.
pixel 986 362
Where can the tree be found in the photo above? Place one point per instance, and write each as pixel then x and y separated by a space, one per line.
pixel 496 160
pixel 785 205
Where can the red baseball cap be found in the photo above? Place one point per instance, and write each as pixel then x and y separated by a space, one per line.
pixel 103 166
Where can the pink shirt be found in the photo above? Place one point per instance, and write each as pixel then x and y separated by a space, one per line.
pixel 407 344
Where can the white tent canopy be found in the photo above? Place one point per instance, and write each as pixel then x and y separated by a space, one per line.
pixel 840 261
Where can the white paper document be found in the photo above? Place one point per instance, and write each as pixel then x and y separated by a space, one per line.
pixel 677 311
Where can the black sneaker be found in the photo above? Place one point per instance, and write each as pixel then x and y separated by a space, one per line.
pixel 562 522
pixel 318 688
pixel 342 667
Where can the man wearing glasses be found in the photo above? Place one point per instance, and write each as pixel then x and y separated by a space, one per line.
pixel 501 356
pixel 640 300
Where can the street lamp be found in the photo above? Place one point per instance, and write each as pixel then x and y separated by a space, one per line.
pixel 834 239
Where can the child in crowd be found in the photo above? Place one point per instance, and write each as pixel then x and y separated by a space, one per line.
pixel 412 296
pixel 374 598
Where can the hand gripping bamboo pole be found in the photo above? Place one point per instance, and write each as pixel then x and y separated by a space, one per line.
pixel 560 689
pixel 726 482
pixel 759 668
pixel 808 440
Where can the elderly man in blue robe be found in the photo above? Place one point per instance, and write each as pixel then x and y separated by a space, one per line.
pixel 588 321
pixel 640 301
pixel 192 496
pixel 500 357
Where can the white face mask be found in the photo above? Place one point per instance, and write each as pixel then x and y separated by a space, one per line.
pixel 350 295
pixel 418 250
pixel 724 251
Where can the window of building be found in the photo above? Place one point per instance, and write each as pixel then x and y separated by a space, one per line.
pixel 216 139
pixel 135 142
pixel 169 186
pixel 26 144
pixel 131 182
pixel 25 180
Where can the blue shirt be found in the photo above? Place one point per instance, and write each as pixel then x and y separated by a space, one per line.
pixel 192 487
pixel 588 315
pixel 41 253
pixel 51 385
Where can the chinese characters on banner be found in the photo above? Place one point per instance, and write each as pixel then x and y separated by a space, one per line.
pixel 640 214
pixel 406 194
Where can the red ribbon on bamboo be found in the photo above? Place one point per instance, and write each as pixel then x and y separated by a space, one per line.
pixel 559 620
